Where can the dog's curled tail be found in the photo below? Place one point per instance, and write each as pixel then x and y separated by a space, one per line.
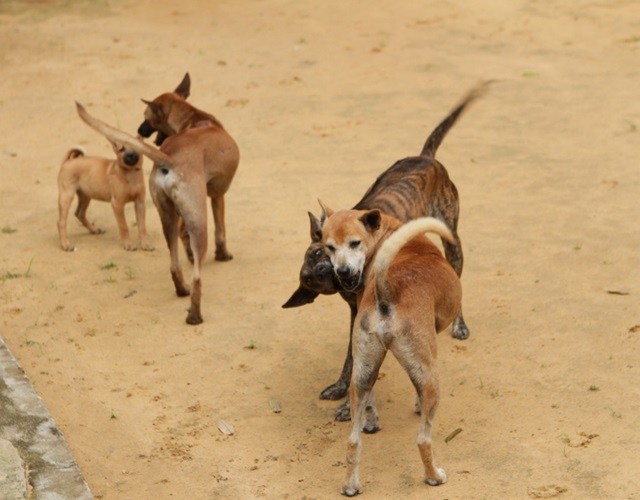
pixel 392 245
pixel 120 137
pixel 75 152
pixel 437 136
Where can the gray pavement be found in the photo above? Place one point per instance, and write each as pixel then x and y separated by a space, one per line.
pixel 35 460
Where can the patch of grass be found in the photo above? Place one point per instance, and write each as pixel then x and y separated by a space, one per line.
pixel 130 272
pixel 8 230
pixel 251 345
pixel 594 388
pixel 108 265
pixel 8 275
pixel 529 74
pixel 614 414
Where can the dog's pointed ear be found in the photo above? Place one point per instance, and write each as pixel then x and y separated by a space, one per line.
pixel 371 220
pixel 156 107
pixel 185 87
pixel 300 297
pixel 326 212
pixel 315 228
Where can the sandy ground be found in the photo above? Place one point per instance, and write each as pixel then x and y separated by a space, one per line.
pixel 321 97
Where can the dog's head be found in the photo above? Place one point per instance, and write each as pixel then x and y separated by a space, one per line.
pixel 156 115
pixel 127 157
pixel 316 276
pixel 350 238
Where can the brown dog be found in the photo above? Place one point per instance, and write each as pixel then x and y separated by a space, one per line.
pixel 197 158
pixel 118 181
pixel 414 187
pixel 407 293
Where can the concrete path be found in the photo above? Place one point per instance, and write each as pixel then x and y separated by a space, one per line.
pixel 35 461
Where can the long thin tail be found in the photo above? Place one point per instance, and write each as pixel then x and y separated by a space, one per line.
pixel 120 137
pixel 392 245
pixel 437 136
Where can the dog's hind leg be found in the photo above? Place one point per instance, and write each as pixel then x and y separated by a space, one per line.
pixel 184 237
pixel 368 357
pixel 418 359
pixel 81 213
pixel 196 223
pixel 217 206
pixel 454 255
pixel 169 220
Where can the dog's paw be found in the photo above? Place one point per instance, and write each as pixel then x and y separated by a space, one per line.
pixel 223 256
pixel 343 412
pixel 194 319
pixel 148 248
pixel 97 230
pixel 460 330
pixel 351 491
pixel 70 248
pixel 335 391
pixel 441 478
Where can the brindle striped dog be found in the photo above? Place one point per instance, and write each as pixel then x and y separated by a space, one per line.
pixel 417 186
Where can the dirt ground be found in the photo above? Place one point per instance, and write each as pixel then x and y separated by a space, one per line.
pixel 322 97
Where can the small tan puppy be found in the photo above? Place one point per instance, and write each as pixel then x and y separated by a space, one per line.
pixel 118 181
pixel 407 292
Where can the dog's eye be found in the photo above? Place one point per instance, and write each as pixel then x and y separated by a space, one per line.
pixel 331 248
pixel 318 252
pixel 121 149
pixel 354 244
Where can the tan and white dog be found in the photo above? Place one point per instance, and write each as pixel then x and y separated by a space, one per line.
pixel 407 292
pixel 118 181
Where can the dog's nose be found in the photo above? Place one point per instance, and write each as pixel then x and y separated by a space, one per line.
pixel 343 272
pixel 131 158
pixel 322 268
pixel 145 130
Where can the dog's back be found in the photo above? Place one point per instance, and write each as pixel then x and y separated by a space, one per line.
pixel 412 280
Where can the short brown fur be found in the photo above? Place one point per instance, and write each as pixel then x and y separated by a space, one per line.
pixel 197 158
pixel 410 294
pixel 118 181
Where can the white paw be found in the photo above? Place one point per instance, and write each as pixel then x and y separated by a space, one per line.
pixel 440 479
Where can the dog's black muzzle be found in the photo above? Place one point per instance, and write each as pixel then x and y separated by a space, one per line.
pixel 131 158
pixel 145 130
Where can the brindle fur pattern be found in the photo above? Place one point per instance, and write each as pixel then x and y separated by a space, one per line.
pixel 413 187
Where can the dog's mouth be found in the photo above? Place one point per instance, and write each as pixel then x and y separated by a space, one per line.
pixel 145 130
pixel 351 284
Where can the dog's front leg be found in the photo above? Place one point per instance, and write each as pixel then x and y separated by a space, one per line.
pixel 340 388
pixel 118 210
pixel 142 225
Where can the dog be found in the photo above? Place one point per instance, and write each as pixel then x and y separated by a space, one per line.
pixel 406 293
pixel 118 181
pixel 197 158
pixel 410 188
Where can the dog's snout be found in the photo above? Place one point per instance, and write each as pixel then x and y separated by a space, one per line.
pixel 131 158
pixel 343 272
pixel 322 268
pixel 145 130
